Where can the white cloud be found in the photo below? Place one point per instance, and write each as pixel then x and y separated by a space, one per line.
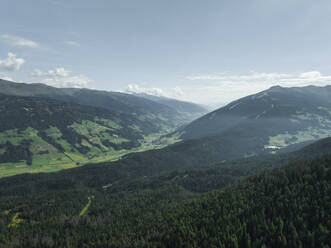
pixel 60 77
pixel 72 43
pixel 311 77
pixel 11 63
pixel 307 78
pixel 227 77
pixel 171 92
pixel 311 74
pixel 79 81
pixel 61 72
pixel 134 88
pixel 221 88
pixel 18 41
pixel 226 87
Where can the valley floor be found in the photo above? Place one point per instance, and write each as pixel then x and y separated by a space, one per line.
pixel 72 160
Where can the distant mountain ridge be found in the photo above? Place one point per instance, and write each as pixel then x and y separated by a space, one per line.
pixel 183 107
pixel 272 119
pixel 161 115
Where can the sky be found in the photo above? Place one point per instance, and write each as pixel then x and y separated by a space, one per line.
pixel 205 51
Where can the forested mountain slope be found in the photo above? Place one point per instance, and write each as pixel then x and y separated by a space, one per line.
pixel 285 208
pixel 160 115
pixel 288 207
pixel 270 120
pixel 55 128
pixel 41 132
pixel 156 164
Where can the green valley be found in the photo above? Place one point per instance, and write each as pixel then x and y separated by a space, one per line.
pixel 57 135
pixel 165 124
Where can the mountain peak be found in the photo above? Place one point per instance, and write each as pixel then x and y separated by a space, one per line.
pixel 276 87
pixel 271 119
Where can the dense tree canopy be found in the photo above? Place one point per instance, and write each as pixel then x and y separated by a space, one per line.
pixel 287 207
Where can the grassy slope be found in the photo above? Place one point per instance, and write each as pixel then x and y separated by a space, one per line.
pixel 57 135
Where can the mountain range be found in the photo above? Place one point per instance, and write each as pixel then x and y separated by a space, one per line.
pixel 62 128
pixel 97 126
pixel 155 111
pixel 254 173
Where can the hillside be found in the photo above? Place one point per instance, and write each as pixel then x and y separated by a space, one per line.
pixel 55 128
pixel 93 206
pixel 44 134
pixel 270 120
pixel 289 207
pixel 157 164
pixel 162 116
pixel 278 129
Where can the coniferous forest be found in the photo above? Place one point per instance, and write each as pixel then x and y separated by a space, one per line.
pixel 165 124
pixel 223 205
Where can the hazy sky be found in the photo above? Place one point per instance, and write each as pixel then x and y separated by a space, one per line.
pixel 206 51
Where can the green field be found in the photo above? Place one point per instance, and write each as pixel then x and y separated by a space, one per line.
pixel 322 129
pixel 70 159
